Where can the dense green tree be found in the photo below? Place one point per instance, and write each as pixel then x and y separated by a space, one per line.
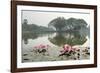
pixel 59 23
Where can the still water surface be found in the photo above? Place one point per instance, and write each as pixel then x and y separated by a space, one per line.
pixel 55 41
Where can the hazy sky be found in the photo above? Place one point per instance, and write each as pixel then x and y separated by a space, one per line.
pixel 42 18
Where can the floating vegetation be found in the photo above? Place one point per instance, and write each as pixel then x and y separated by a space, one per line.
pixel 25 54
pixel 88 53
pixel 26 59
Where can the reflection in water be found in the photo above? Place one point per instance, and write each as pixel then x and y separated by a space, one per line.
pixel 56 41
pixel 68 38
pixel 26 36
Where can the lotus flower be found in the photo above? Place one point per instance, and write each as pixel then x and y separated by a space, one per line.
pixel 41 47
pixel 67 48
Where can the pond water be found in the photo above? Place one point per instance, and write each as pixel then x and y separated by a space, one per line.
pixel 47 46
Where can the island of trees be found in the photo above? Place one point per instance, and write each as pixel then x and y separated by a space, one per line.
pixel 72 26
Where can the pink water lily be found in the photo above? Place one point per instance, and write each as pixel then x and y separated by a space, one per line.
pixel 67 49
pixel 42 46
